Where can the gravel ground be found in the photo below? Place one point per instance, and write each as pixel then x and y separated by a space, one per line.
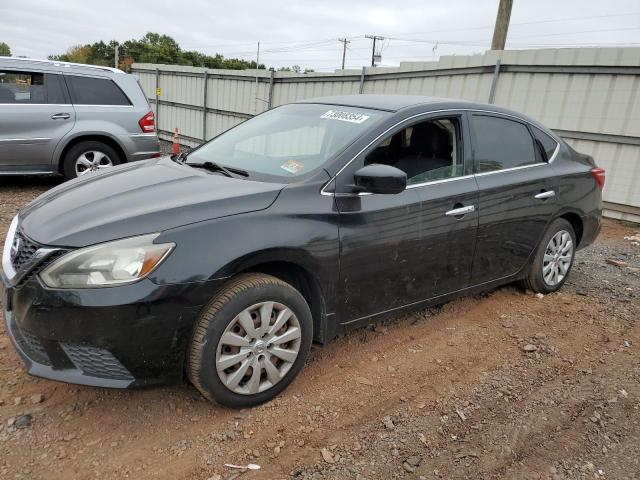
pixel 502 385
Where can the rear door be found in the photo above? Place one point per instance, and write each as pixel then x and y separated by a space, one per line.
pixel 35 114
pixel 517 195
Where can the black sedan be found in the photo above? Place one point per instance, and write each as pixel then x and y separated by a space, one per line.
pixel 292 227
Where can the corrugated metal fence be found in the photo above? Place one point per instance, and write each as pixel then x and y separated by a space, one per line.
pixel 589 96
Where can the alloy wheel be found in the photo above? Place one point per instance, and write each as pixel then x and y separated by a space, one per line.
pixel 92 161
pixel 557 258
pixel 258 348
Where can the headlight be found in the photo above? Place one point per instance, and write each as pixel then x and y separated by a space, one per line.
pixel 107 264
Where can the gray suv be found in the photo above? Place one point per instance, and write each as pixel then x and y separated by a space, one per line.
pixel 58 117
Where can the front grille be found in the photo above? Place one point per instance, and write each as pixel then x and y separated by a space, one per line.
pixel 41 266
pixel 96 362
pixel 30 345
pixel 26 249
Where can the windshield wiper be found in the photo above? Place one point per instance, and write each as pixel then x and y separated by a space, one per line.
pixel 180 158
pixel 216 167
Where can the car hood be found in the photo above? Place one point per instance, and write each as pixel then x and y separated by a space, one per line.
pixel 137 198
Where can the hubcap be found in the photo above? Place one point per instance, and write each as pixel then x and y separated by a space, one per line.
pixel 258 348
pixel 557 258
pixel 92 161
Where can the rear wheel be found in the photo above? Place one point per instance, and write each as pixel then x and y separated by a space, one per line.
pixel 553 259
pixel 89 157
pixel 250 342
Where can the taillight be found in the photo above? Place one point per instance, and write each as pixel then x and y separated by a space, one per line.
pixel 148 123
pixel 598 175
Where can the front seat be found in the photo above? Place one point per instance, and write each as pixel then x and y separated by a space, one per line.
pixel 429 148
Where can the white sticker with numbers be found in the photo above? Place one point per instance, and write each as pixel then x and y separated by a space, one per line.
pixel 345 116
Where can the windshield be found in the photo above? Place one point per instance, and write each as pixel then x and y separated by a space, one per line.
pixel 289 141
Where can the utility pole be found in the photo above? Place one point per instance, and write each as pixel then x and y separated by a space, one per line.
pixel 502 25
pixel 373 49
pixel 116 56
pixel 344 42
pixel 257 64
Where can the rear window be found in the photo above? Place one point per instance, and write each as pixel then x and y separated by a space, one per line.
pixel 95 91
pixel 18 87
pixel 501 143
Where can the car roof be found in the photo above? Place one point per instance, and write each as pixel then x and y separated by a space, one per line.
pixel 55 66
pixel 394 103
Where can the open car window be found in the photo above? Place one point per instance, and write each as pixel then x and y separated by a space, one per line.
pixel 289 141
pixel 426 151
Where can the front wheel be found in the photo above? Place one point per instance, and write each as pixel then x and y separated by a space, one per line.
pixel 250 342
pixel 553 259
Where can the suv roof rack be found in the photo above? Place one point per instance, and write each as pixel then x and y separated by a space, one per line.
pixel 64 64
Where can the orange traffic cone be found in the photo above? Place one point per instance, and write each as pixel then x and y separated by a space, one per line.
pixel 175 147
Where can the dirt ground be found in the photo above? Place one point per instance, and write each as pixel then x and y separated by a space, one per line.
pixel 503 385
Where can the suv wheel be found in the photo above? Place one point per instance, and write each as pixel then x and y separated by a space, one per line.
pixel 87 157
pixel 250 342
pixel 553 259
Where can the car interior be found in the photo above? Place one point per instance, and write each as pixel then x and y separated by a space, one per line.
pixel 426 151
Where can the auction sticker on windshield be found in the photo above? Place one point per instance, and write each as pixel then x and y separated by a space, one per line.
pixel 345 116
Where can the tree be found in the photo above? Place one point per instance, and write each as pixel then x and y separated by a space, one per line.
pixel 152 48
pixel 5 50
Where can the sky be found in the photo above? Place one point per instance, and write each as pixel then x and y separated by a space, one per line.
pixel 306 32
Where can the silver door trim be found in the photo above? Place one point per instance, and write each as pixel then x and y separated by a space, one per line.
pixel 446 110
pixel 23 139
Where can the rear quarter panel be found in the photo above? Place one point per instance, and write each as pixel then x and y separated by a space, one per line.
pixel 577 191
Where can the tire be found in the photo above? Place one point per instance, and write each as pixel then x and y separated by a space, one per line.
pixel 558 245
pixel 96 155
pixel 224 372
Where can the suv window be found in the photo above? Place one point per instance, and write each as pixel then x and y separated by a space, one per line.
pixel 501 143
pixel 547 143
pixel 425 151
pixel 30 87
pixel 95 91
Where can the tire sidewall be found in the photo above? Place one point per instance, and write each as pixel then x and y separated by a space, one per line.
pixel 536 278
pixel 69 163
pixel 207 374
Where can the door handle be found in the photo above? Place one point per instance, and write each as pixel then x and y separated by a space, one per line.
pixel 457 212
pixel 60 116
pixel 544 195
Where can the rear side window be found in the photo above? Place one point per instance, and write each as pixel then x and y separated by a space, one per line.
pixel 31 88
pixel 547 143
pixel 501 143
pixel 95 91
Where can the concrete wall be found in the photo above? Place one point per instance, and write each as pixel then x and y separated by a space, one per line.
pixel 589 96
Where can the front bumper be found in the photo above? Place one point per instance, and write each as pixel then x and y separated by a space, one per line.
pixel 119 337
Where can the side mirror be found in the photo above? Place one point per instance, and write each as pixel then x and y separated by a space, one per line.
pixel 378 178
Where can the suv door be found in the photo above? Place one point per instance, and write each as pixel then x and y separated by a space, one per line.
pixel 35 114
pixel 517 195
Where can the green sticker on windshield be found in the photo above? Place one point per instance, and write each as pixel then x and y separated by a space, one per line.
pixel 345 116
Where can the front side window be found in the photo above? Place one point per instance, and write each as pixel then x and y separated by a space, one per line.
pixel 22 87
pixel 95 91
pixel 501 143
pixel 426 151
pixel 288 141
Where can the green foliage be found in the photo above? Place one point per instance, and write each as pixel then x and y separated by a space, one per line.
pixel 152 48
pixel 5 51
